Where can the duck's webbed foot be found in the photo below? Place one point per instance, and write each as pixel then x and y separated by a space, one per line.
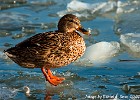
pixel 54 80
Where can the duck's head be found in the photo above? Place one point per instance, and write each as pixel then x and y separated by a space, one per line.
pixel 70 23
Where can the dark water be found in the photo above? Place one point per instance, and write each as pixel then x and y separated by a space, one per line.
pixel 118 78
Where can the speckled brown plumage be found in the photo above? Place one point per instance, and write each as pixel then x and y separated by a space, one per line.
pixel 51 49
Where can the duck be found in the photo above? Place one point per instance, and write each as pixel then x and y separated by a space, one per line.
pixel 53 49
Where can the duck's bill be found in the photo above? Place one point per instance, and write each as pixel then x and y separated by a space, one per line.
pixel 84 31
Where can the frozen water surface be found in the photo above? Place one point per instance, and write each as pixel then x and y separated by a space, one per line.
pixel 132 41
pixel 108 70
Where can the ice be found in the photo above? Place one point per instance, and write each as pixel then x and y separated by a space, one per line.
pixel 131 40
pixel 88 9
pixel 7 93
pixel 79 6
pixel 132 89
pixel 92 7
pixel 12 20
pixel 121 7
pixel 26 90
pixel 100 52
pixel 2 55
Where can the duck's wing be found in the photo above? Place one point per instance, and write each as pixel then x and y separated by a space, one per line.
pixel 41 40
pixel 36 50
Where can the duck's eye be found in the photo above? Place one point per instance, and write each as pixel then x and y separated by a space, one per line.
pixel 74 21
pixel 71 20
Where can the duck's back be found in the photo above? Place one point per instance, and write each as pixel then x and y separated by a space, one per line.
pixel 51 49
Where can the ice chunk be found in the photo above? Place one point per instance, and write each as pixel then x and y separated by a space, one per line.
pixel 7 93
pixel 76 7
pixel 132 41
pixel 132 89
pixel 90 10
pixel 121 7
pixel 26 89
pixel 79 6
pixel 99 53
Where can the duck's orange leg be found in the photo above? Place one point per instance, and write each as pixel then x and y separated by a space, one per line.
pixel 54 80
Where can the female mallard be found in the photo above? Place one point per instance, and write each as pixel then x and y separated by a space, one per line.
pixel 51 49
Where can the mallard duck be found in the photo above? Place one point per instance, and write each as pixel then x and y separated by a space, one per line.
pixel 51 49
